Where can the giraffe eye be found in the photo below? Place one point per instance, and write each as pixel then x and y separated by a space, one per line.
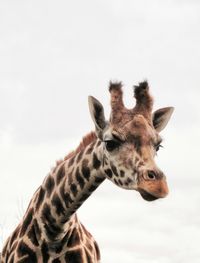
pixel 111 145
pixel 158 146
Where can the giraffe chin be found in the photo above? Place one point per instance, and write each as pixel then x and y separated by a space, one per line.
pixel 147 196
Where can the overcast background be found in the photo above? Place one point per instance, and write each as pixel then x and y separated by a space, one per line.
pixel 53 54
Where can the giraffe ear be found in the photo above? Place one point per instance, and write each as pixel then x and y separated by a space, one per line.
pixel 97 113
pixel 161 117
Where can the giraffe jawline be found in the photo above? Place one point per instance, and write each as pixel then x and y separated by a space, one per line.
pixel 147 196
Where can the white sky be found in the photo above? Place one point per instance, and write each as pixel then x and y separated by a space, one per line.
pixel 52 56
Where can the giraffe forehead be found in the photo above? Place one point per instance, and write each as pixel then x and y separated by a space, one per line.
pixel 138 126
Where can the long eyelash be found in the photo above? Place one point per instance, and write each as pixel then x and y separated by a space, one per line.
pixel 158 146
pixel 117 138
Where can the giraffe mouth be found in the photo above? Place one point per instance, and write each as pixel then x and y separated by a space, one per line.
pixel 147 196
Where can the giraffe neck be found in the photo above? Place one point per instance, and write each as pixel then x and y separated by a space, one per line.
pixel 66 188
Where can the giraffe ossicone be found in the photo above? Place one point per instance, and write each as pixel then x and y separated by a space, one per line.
pixel 122 150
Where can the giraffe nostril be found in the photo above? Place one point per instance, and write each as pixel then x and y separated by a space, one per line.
pixel 151 175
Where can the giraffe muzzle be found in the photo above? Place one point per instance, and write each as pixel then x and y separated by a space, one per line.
pixel 152 188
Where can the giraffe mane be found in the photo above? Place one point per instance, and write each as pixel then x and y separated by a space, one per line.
pixel 86 140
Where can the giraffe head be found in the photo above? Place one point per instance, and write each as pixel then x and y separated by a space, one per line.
pixel 130 141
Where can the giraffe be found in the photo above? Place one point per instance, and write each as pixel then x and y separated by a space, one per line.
pixel 121 150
